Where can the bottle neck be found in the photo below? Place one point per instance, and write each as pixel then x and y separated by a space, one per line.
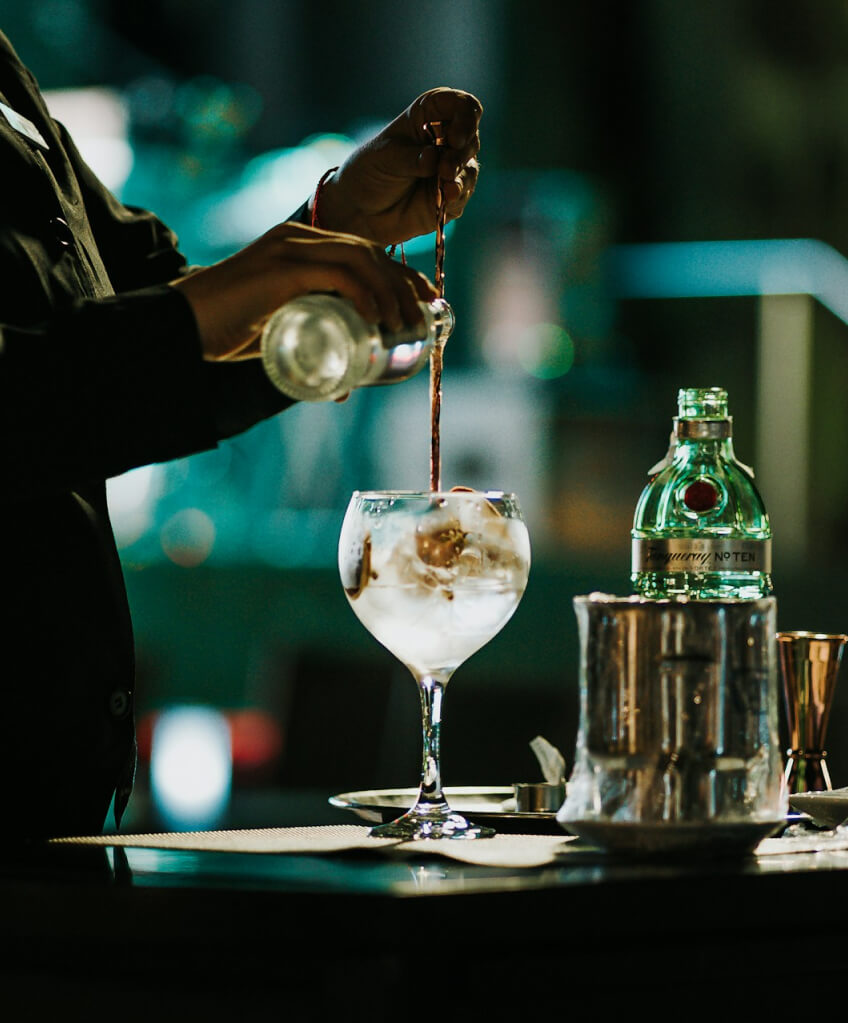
pixel 702 403
pixel 688 448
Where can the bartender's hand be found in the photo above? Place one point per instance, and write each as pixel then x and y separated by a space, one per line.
pixel 386 190
pixel 233 299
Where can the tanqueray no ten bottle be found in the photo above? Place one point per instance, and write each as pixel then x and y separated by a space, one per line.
pixel 700 529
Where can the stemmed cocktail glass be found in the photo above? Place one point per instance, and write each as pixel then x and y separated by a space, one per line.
pixel 433 576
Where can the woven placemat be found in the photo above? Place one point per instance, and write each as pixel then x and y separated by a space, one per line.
pixel 499 851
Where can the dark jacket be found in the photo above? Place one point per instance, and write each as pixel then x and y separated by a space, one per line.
pixel 100 371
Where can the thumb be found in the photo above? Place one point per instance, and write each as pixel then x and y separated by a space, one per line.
pixel 404 159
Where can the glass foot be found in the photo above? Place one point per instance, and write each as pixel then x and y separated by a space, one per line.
pixel 447 824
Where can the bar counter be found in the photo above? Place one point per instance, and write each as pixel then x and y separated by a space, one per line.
pixel 197 935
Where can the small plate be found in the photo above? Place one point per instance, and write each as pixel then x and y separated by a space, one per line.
pixel 827 809
pixel 491 805
pixel 688 839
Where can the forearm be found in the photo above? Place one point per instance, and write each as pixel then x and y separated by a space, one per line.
pixel 109 385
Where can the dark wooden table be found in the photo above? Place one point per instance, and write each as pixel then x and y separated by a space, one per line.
pixel 188 935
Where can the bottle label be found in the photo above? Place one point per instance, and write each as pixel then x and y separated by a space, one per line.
pixel 701 554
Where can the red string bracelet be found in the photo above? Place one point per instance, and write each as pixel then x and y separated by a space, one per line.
pixel 318 189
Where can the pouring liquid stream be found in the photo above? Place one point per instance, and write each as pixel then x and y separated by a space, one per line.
pixel 437 355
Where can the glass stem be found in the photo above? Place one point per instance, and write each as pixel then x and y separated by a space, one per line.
pixel 431 688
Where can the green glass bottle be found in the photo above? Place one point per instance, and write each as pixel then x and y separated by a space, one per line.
pixel 700 528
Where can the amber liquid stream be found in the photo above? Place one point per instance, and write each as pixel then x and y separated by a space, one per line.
pixel 437 354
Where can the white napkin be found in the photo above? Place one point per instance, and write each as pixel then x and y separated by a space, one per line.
pixel 551 761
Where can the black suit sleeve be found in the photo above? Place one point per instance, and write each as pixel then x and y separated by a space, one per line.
pixel 101 367
pixel 101 387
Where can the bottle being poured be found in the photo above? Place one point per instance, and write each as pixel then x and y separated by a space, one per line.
pixel 318 348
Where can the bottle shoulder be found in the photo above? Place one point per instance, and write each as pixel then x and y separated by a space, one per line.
pixel 702 491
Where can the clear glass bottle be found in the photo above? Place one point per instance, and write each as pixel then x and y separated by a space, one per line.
pixel 317 347
pixel 700 528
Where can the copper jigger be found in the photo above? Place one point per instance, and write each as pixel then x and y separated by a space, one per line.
pixel 809 665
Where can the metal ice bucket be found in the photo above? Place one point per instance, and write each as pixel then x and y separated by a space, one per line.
pixel 678 723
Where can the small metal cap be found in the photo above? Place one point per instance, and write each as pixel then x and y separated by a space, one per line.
pixel 539 797
pixel 703 429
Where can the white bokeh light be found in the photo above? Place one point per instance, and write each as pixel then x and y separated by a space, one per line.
pixel 132 502
pixel 191 767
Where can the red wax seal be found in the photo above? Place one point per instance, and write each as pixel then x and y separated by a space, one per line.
pixel 700 496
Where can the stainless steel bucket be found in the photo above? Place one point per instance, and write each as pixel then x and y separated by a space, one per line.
pixel 678 744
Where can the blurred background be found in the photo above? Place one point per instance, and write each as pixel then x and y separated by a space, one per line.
pixel 663 203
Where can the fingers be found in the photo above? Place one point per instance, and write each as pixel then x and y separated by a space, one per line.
pixel 458 191
pixel 409 159
pixel 425 290
pixel 459 113
pixel 387 189
pixel 416 153
pixel 382 290
pixel 251 349
pixel 231 300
